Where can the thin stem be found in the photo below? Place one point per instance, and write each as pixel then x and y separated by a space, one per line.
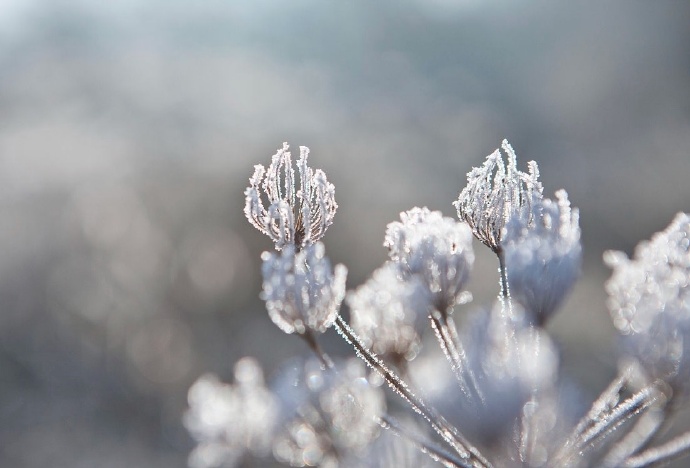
pixel 436 453
pixel 310 339
pixel 449 433
pixel 605 403
pixel 505 292
pixel 639 435
pixel 621 413
pixel 671 450
pixel 447 336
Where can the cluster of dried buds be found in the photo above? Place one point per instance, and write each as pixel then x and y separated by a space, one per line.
pixel 498 400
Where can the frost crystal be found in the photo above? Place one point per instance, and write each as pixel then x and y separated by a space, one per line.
pixel 437 249
pixel 226 420
pixel 543 258
pixel 496 193
pixel 388 313
pixel 300 289
pixel 293 217
pixel 327 413
pixel 649 300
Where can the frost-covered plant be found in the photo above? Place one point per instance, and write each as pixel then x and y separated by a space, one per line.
pixel 503 403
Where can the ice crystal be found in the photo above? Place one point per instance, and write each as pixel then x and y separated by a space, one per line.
pixel 300 289
pixel 437 249
pixel 542 257
pixel 496 193
pixel 388 313
pixel 649 300
pixel 228 419
pixel 293 217
pixel 326 412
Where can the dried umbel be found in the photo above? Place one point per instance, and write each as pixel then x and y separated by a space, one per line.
pixel 293 217
pixel 435 248
pixel 649 299
pixel 543 256
pixel 301 290
pixel 496 193
pixel 228 419
pixel 503 390
pixel 388 313
pixel 326 413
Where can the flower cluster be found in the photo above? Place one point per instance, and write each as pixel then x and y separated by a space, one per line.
pixel 649 298
pixel 503 402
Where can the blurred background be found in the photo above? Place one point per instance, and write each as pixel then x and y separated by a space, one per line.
pixel 128 131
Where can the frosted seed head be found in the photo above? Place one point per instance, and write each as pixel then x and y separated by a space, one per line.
pixel 292 216
pixel 389 313
pixel 326 412
pixel 436 249
pixel 301 290
pixel 227 420
pixel 510 361
pixel 496 193
pixel 543 255
pixel 649 301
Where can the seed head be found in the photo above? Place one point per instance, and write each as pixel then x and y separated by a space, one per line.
pixel 496 193
pixel 649 300
pixel 300 288
pixel 435 248
pixel 293 217
pixel 542 258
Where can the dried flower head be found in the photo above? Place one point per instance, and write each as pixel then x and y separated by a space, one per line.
pixel 496 193
pixel 301 290
pixel 388 313
pixel 328 413
pixel 228 419
pixel 293 217
pixel 649 300
pixel 542 258
pixel 437 249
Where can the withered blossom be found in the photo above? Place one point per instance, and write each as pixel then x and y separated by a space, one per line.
pixel 543 257
pixel 389 313
pixel 438 249
pixel 327 413
pixel 301 290
pixel 495 193
pixel 649 300
pixel 297 217
pixel 227 420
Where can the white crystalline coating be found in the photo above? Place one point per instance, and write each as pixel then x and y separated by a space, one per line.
pixel 300 289
pixel 437 249
pixel 332 411
pixel 543 257
pixel 388 313
pixel 293 217
pixel 496 193
pixel 649 300
pixel 228 419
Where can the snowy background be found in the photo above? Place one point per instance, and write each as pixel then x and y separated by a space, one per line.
pixel 128 130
